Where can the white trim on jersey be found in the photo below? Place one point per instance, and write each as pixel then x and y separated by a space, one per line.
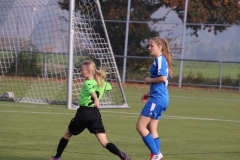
pixel 159 59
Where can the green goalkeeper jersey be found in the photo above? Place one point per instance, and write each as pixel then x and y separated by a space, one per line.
pixel 90 86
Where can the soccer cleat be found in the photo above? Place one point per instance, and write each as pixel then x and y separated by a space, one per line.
pixel 54 158
pixel 124 156
pixel 156 157
pixel 160 155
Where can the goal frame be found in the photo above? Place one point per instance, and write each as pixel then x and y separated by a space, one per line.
pixel 13 46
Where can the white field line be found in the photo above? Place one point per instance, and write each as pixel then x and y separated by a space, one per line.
pixel 217 99
pixel 19 105
pixel 29 112
pixel 123 114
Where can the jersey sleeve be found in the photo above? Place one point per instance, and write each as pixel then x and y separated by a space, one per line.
pixel 89 86
pixel 108 87
pixel 162 66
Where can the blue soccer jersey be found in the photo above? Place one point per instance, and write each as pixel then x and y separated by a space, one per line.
pixel 159 97
pixel 159 68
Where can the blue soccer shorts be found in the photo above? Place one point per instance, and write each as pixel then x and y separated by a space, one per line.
pixel 153 110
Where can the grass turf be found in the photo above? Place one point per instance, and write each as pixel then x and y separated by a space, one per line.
pixel 198 124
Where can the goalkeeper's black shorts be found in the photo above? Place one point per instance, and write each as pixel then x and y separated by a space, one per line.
pixel 86 117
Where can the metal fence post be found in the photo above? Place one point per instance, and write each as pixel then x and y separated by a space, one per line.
pixel 220 75
pixel 183 43
pixel 239 82
pixel 126 42
pixel 16 64
pixel 45 65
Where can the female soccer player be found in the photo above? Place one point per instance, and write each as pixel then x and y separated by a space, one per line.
pixel 88 115
pixel 157 98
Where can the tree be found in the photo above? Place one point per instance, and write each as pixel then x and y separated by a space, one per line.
pixel 208 12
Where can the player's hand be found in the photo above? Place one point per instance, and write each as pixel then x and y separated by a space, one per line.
pixel 147 80
pixel 145 98
pixel 96 103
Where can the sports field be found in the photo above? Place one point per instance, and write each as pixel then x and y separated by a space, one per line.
pixel 198 124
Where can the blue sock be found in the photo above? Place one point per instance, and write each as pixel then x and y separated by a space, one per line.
pixel 157 142
pixel 149 141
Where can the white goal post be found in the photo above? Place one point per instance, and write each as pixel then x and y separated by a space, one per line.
pixel 36 52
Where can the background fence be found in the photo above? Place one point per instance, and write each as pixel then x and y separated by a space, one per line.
pixel 204 38
pixel 200 73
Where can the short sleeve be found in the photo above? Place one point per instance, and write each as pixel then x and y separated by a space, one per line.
pixel 89 86
pixel 108 87
pixel 162 66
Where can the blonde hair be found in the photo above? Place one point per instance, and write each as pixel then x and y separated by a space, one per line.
pixel 166 52
pixel 99 75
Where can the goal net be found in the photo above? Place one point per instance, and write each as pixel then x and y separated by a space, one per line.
pixel 34 38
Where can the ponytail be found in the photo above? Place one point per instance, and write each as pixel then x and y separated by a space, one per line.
pixel 100 75
pixel 168 56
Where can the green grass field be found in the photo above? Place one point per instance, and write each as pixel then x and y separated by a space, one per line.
pixel 198 124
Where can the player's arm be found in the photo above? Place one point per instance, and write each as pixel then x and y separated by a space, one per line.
pixel 108 86
pixel 95 98
pixel 155 80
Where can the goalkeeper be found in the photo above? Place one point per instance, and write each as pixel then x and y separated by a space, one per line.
pixel 88 115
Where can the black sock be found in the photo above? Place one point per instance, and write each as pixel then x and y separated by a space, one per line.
pixel 113 149
pixel 61 146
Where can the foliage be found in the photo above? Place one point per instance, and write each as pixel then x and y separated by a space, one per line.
pixel 229 81
pixel 207 11
pixel 199 78
pixel 27 65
